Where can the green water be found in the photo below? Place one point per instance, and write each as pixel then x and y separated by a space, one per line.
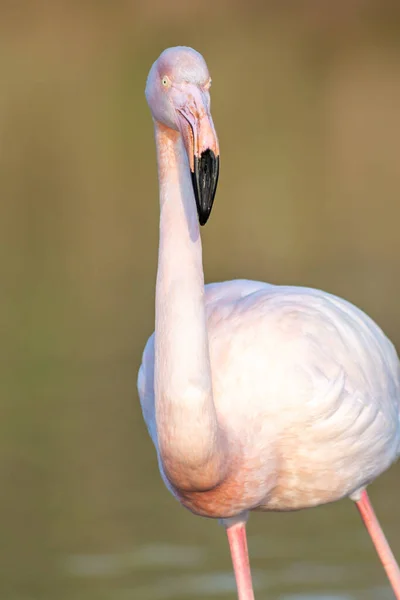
pixel 305 101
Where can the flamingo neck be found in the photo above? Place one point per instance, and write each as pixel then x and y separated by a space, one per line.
pixel 187 428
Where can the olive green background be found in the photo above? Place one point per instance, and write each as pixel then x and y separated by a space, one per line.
pixel 305 100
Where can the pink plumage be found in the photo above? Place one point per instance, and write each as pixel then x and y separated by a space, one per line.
pixel 256 397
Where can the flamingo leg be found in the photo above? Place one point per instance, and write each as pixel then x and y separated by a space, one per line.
pixel 240 558
pixel 380 542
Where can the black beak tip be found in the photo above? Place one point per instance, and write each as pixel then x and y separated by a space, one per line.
pixel 205 180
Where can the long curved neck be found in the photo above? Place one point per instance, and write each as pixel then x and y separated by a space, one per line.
pixel 189 439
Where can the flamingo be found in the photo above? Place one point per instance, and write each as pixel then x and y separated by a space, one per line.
pixel 256 396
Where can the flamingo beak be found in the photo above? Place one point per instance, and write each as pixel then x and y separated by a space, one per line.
pixel 201 144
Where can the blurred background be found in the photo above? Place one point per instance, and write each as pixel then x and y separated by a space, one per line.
pixel 305 99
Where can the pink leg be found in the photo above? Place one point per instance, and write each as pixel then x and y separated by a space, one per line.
pixel 240 559
pixel 381 545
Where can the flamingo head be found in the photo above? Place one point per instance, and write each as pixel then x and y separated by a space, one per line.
pixel 178 93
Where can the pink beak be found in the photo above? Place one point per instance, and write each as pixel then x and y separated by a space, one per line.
pixel 201 143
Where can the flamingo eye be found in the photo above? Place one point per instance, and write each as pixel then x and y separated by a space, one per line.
pixel 165 81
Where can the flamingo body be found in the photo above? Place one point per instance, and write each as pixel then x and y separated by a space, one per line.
pixel 256 396
pixel 306 387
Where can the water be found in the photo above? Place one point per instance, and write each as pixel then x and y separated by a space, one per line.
pixel 306 107
pixel 321 554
